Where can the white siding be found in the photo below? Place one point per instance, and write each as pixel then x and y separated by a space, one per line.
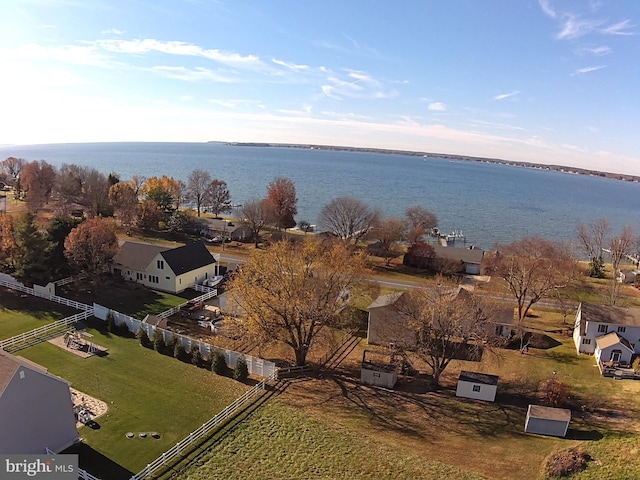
pixel 478 391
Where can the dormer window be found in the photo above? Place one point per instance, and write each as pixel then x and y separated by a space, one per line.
pixel 160 264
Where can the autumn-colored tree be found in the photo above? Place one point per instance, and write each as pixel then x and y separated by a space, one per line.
pixel 531 268
pixel 389 231
pixel 553 392
pixel 449 323
pixel 255 213
pixel 281 199
pixel 162 198
pixel 149 215
pixel 348 218
pixel 124 200
pixel 199 181
pixel 419 255
pixel 218 198
pixel 37 179
pixel 290 292
pixel 170 187
pixel 421 220
pixel 8 246
pixel 91 246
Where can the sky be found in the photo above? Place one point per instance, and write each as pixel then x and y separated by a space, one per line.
pixel 543 81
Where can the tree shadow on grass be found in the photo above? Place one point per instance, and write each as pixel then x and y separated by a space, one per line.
pixel 97 464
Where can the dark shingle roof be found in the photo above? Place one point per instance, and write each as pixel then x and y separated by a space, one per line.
pixel 137 256
pixel 188 257
pixel 475 377
pixel 466 255
pixel 609 314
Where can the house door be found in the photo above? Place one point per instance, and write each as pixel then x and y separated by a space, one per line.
pixel 615 356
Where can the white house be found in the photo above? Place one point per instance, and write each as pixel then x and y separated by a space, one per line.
pixel 163 268
pixel 613 348
pixel 469 258
pixel 36 409
pixel 480 386
pixel 547 420
pixel 596 321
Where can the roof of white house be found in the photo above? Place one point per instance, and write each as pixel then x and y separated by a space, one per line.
pixel 608 314
pixel 475 377
pixel 465 255
pixel 611 339
pixel 188 257
pixel 549 413
pixel 137 256
pixel 9 364
pixel 385 300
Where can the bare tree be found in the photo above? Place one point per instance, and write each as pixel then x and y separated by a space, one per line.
pixel 124 200
pixel 291 292
pixel 450 323
pixel 532 268
pixel 619 247
pixel 348 218
pixel 593 240
pixel 421 220
pixel 37 179
pixel 13 166
pixel 199 181
pixel 218 198
pixel 255 213
pixel 282 200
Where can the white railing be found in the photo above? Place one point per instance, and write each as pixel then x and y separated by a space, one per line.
pixel 52 298
pixel 185 444
pixel 84 475
pixel 209 293
pixel 42 334
pixel 68 280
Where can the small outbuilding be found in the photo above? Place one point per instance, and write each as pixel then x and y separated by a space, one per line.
pixel 547 420
pixel 479 386
pixel 377 374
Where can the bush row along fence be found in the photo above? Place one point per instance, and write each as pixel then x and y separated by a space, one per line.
pixel 256 366
pixel 45 292
pixel 208 294
pixel 186 445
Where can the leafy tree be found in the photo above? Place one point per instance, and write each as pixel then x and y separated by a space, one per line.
pixel 255 216
pixel 179 352
pixel 8 246
pixel 162 198
pixel 218 362
pixel 37 179
pixel 57 232
pixel 348 218
pixel 173 190
pixel 241 371
pixel 143 338
pixel 531 268
pixel 419 255
pixel 281 199
pixel 91 246
pixel 421 221
pixel 158 341
pixel 149 215
pixel 195 355
pixel 179 221
pixel 388 232
pixel 199 181
pixel 32 249
pixel 291 292
pixel 218 198
pixel 450 323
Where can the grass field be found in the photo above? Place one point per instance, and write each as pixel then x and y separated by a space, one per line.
pixel 145 391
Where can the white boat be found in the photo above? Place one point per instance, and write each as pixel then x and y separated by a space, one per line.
pixel 213 281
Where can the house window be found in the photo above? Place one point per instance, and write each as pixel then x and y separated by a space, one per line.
pixel 160 264
pixel 622 329
pixel 586 341
pixel 603 328
pixel 476 388
pixel 168 278
pixel 376 374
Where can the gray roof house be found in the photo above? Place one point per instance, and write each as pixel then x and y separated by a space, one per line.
pixel 162 268
pixel 594 321
pixel 469 258
pixel 36 409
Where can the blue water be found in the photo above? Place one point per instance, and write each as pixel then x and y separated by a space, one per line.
pixel 490 203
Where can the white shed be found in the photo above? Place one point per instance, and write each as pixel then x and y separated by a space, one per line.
pixel 378 375
pixel 547 420
pixel 480 386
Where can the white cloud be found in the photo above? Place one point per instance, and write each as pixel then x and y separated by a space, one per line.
pixel 547 9
pixel 290 66
pixel 503 96
pixel 602 50
pixel 438 107
pixel 620 28
pixel 192 74
pixel 357 85
pixel 112 31
pixel 584 70
pixel 574 27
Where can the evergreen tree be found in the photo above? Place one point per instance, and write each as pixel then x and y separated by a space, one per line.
pixel 33 248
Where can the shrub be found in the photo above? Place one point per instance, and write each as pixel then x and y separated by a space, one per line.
pixel 567 462
pixel 143 338
pixel 241 372
pixel 196 356
pixel 111 323
pixel 179 351
pixel 553 392
pixel 636 364
pixel 158 340
pixel 218 363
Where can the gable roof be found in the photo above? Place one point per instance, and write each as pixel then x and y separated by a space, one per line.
pixel 386 300
pixel 475 377
pixel 611 339
pixel 137 256
pixel 9 364
pixel 465 255
pixel 608 314
pixel 188 257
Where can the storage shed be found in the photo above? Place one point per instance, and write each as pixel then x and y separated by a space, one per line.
pixel 377 373
pixel 547 420
pixel 480 386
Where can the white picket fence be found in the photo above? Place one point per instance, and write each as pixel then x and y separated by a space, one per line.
pixel 185 445
pixel 42 334
pixel 209 293
pixel 38 292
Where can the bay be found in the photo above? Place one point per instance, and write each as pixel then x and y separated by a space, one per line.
pixel 489 203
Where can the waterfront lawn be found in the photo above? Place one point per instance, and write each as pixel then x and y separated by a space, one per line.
pixel 145 392
pixel 20 313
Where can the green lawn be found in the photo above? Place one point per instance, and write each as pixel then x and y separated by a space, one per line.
pixel 20 313
pixel 145 391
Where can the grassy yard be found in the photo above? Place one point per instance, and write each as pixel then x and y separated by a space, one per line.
pixel 145 391
pixel 20 313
